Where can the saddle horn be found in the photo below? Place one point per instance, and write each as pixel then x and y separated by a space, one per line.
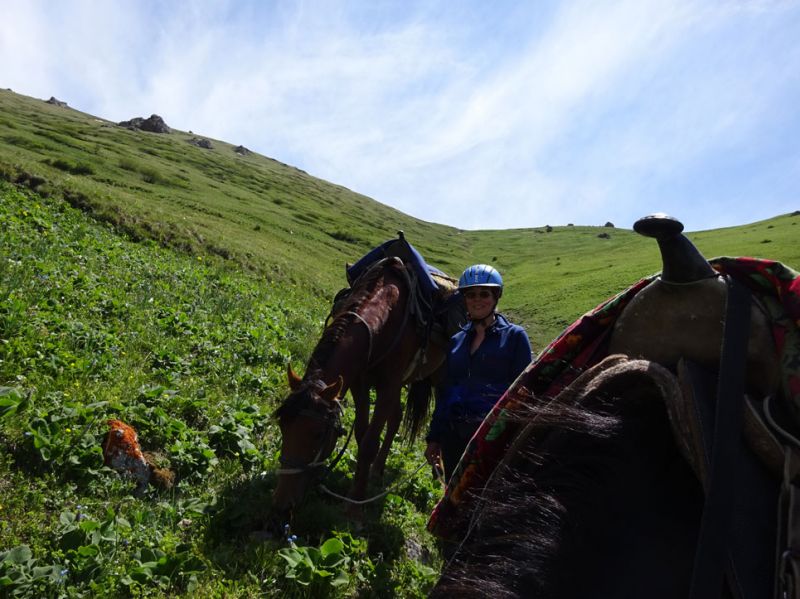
pixel 682 261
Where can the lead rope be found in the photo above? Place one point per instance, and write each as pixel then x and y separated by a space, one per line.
pixel 371 499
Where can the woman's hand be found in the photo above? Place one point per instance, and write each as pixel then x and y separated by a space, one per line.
pixel 433 453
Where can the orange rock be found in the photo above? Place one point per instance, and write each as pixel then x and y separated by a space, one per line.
pixel 121 451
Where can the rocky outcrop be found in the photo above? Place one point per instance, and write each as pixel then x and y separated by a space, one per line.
pixel 56 102
pixel 154 124
pixel 200 143
pixel 241 150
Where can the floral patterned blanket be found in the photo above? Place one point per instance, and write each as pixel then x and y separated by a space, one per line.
pixel 583 344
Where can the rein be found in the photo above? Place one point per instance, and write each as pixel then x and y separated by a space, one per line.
pixel 388 490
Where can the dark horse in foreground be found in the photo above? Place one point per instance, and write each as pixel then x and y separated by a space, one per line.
pixel 665 468
pixel 373 341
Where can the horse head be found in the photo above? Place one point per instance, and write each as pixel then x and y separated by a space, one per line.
pixel 681 313
pixel 310 422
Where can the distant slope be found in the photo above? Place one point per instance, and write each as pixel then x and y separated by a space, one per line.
pixel 263 213
pixel 295 229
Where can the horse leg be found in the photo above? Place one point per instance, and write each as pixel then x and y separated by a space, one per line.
pixel 360 392
pixel 368 448
pixel 392 424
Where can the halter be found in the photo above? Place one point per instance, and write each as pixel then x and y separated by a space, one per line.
pixel 333 429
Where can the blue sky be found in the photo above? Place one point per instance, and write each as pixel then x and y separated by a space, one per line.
pixel 474 114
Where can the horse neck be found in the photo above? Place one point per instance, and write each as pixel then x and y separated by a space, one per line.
pixel 365 332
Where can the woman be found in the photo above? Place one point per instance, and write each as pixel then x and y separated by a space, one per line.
pixel 483 359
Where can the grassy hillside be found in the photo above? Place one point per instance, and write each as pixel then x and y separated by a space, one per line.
pixel 148 279
pixel 265 215
pixel 294 229
pixel 192 354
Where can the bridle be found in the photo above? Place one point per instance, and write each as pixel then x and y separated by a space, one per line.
pixel 333 430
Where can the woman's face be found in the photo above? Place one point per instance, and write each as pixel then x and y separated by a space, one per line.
pixel 480 302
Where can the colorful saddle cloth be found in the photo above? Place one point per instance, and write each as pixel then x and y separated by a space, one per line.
pixel 582 345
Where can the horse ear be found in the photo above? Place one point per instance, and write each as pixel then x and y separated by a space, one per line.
pixel 331 392
pixel 294 380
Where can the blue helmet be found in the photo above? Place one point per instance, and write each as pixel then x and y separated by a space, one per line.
pixel 481 275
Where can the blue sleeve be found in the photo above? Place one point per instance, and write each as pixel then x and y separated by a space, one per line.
pixel 522 353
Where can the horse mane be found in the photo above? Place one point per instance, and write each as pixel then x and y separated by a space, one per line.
pixel 527 535
pixel 362 290
pixel 522 517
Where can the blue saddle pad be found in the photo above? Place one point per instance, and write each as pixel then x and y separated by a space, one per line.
pixel 410 256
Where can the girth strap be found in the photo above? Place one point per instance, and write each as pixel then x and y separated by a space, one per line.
pixel 787 574
pixel 715 528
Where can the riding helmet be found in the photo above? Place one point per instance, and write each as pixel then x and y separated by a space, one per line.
pixel 481 275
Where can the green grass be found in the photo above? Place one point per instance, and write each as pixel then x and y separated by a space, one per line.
pixel 167 285
pixel 193 354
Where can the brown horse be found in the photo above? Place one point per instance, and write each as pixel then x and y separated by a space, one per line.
pixel 653 473
pixel 372 341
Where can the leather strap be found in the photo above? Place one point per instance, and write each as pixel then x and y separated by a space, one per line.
pixel 711 554
pixel 787 572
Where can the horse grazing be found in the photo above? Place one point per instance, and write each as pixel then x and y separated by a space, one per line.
pixel 655 467
pixel 373 341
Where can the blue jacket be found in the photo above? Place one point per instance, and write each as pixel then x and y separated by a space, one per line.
pixel 475 382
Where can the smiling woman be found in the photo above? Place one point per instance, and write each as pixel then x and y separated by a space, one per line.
pixel 483 359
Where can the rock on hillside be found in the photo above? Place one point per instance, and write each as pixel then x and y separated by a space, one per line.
pixel 56 102
pixel 200 143
pixel 241 150
pixel 154 124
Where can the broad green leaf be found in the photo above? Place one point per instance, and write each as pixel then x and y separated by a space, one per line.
pixel 331 546
pixel 88 550
pixel 18 555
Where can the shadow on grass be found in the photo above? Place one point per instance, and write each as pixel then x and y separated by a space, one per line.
pixel 236 540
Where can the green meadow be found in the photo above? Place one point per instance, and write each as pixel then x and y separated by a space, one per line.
pixel 147 279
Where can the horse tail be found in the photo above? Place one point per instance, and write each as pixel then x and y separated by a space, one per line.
pixel 419 395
